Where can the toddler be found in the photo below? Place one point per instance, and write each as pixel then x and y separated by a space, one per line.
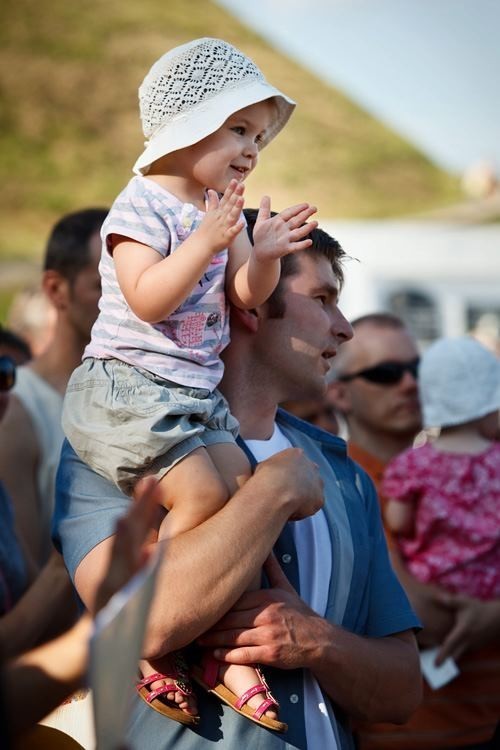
pixel 444 496
pixel 145 398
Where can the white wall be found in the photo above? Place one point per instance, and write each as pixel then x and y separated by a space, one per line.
pixel 458 266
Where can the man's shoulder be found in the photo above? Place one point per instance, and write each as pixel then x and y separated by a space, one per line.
pixel 312 439
pixel 297 429
pixel 18 428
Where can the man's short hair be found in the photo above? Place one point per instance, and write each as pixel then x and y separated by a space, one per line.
pixel 322 243
pixel 380 320
pixel 67 248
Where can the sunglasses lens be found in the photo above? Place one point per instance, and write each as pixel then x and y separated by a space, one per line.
pixel 7 373
pixel 384 374
pixel 390 373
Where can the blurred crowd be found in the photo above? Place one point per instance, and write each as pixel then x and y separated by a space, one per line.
pixel 423 425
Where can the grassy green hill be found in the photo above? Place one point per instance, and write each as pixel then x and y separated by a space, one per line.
pixel 69 126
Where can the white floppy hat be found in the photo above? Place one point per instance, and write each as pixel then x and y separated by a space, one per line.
pixel 192 90
pixel 459 380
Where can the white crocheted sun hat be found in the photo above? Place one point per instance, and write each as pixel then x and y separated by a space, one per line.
pixel 192 90
pixel 459 380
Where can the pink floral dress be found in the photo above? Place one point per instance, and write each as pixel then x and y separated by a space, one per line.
pixel 456 541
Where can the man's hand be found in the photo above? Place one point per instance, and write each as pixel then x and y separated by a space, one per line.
pixel 284 233
pixel 476 623
pixel 223 222
pixel 269 626
pixel 294 474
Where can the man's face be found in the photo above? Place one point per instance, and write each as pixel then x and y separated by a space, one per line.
pixel 85 291
pixel 297 347
pixel 392 408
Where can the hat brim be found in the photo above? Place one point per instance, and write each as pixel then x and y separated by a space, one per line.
pixel 203 120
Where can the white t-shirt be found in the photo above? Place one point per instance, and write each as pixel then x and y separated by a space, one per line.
pixel 312 540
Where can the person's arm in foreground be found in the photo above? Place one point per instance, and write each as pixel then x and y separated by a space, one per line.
pixel 206 569
pixel 44 610
pixel 476 624
pixel 373 679
pixel 19 460
pixel 454 622
pixel 39 680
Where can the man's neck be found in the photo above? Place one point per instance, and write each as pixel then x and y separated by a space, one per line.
pixel 256 415
pixel 251 401
pixel 383 446
pixel 61 357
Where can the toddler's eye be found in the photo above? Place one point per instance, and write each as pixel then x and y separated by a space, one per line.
pixel 239 129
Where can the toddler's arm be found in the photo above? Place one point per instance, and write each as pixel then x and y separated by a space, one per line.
pixel 400 517
pixel 253 272
pixel 154 286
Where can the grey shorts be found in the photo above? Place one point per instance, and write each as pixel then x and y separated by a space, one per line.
pixel 125 422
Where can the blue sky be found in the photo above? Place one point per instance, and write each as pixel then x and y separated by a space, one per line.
pixel 428 68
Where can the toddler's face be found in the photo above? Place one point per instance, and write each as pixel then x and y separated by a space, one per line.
pixel 229 153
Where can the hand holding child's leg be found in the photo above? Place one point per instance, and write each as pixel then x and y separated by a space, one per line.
pixel 238 680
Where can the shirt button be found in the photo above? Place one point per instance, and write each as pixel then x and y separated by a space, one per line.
pixel 294 698
pixel 286 558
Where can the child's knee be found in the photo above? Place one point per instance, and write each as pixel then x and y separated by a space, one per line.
pixel 202 495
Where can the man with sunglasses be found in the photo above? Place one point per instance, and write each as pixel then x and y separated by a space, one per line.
pixel 375 387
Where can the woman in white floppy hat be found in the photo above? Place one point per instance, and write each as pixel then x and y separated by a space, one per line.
pixel 145 399
pixel 444 496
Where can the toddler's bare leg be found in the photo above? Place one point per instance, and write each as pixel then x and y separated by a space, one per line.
pixel 234 469
pixel 191 491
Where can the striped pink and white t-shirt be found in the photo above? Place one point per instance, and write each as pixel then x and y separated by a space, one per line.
pixel 185 347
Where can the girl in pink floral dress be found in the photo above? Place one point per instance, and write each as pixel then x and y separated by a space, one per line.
pixel 444 496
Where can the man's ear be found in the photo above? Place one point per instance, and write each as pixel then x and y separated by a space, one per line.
pixel 56 288
pixel 248 319
pixel 339 397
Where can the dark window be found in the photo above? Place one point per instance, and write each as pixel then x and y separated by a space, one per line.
pixel 419 311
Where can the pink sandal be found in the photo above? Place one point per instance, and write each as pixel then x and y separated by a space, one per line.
pixel 176 682
pixel 208 678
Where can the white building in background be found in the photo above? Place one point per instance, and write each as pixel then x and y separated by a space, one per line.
pixel 442 278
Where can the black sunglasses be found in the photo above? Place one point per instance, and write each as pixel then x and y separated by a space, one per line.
pixel 7 373
pixel 385 373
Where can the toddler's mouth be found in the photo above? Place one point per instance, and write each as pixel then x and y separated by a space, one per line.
pixel 241 170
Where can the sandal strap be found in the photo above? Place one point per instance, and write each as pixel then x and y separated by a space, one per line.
pixel 255 690
pixel 180 686
pixel 211 670
pixel 267 703
pixel 149 679
pixel 160 691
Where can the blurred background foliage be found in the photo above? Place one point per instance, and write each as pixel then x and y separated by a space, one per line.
pixel 70 130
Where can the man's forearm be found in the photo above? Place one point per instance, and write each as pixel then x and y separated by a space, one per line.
pixel 206 569
pixel 38 681
pixel 46 609
pixel 372 679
